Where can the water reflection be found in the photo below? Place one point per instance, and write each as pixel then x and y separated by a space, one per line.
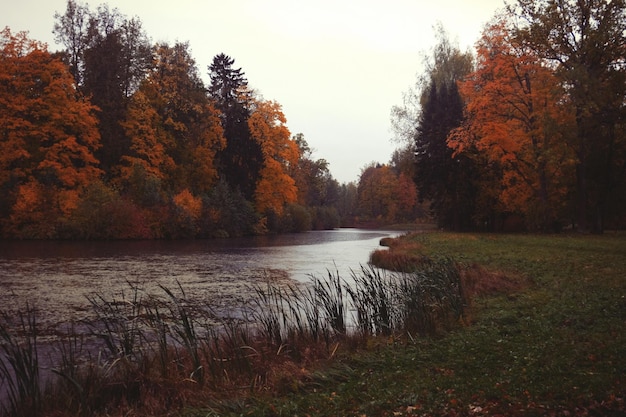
pixel 56 277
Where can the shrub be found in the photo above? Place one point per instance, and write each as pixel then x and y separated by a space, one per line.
pixel 103 214
pixel 226 212
pixel 324 218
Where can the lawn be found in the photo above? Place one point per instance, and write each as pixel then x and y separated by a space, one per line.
pixel 554 346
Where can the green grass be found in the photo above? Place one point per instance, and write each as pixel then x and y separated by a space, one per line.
pixel 557 347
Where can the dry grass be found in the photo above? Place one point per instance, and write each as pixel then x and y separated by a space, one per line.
pixel 479 281
pixel 405 254
pixel 402 255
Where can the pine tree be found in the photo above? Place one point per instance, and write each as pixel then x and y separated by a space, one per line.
pixel 241 160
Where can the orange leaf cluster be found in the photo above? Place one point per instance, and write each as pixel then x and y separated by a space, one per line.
pixel 275 186
pixel 49 133
pixel 513 105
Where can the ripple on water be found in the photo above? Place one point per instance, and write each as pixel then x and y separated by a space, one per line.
pixel 57 277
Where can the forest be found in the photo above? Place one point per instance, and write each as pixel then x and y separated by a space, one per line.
pixel 114 137
pixel 528 133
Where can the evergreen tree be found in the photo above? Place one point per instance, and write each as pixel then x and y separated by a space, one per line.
pixel 241 160
pixel 443 180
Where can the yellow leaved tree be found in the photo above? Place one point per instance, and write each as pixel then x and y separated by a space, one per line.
pixel 275 187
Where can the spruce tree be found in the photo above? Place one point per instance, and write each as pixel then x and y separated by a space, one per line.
pixel 241 160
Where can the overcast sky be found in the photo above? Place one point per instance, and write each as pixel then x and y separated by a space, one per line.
pixel 337 67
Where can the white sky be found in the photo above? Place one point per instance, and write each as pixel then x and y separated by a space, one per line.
pixel 337 67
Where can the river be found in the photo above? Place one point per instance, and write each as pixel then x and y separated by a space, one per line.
pixel 57 278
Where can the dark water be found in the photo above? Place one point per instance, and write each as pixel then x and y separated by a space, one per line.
pixel 57 277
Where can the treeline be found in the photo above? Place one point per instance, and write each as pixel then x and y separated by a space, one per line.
pixel 528 133
pixel 116 138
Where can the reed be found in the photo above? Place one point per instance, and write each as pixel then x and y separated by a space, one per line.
pixel 184 331
pixel 118 321
pixel 19 364
pixel 372 297
pixel 330 294
pixel 71 390
pixel 162 350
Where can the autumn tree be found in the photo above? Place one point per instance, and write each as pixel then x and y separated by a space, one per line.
pixel 174 128
pixel 109 55
pixel 376 192
pixel 584 40
pixel 518 118
pixel 241 160
pixel 48 136
pixel 275 187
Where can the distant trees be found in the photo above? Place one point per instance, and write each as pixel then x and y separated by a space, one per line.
pixel 317 189
pixel 386 195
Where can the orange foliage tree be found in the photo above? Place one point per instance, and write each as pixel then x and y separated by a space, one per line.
pixel 148 138
pixel 175 130
pixel 384 195
pixel 517 117
pixel 275 187
pixel 48 135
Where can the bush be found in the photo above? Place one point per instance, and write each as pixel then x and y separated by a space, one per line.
pixel 300 218
pixel 226 213
pixel 325 218
pixel 103 214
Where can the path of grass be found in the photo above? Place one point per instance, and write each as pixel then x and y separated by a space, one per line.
pixel 556 348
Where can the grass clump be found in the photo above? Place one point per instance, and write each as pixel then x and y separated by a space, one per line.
pixel 19 364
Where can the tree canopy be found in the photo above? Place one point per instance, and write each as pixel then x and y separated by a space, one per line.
pixel 115 138
pixel 48 138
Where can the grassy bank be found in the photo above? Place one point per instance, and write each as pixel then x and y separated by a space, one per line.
pixel 554 347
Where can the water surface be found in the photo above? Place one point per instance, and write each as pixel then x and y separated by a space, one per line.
pixel 57 277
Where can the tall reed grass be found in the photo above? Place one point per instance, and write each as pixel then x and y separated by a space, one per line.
pixel 161 351
pixel 19 363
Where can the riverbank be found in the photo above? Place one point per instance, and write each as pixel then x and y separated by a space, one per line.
pixel 527 325
pixel 555 347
